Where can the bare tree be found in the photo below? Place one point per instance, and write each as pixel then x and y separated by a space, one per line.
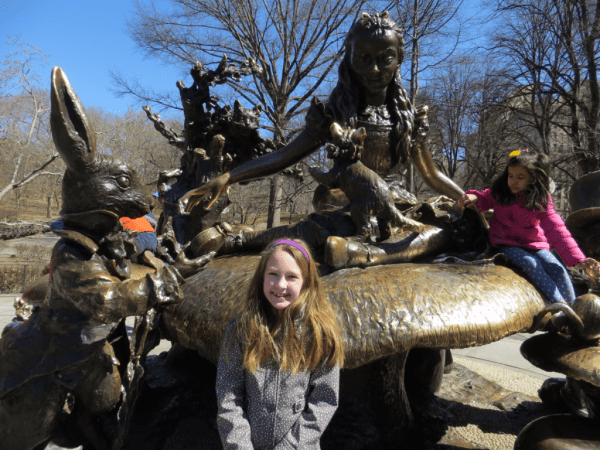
pixel 25 140
pixel 495 132
pixel 552 49
pixel 470 130
pixel 250 202
pixel 132 138
pixel 454 96
pixel 428 26
pixel 296 44
pixel 525 35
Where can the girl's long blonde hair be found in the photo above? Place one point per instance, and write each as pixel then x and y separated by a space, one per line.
pixel 301 337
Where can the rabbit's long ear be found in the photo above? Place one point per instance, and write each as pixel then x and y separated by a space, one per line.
pixel 73 135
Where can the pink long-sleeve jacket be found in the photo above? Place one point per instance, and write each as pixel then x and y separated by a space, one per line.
pixel 522 227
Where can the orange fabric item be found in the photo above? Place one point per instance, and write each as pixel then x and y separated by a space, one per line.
pixel 140 224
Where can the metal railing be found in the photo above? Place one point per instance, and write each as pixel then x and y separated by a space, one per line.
pixel 15 277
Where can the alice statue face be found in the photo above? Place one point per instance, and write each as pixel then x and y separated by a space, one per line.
pixel 374 59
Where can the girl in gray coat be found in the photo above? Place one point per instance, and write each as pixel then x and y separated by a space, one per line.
pixel 278 373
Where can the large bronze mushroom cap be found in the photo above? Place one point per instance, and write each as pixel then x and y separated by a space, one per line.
pixel 557 352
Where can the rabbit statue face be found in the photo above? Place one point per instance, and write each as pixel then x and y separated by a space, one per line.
pixel 112 186
pixel 92 182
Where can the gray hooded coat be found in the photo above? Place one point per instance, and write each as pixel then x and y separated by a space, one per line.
pixel 271 409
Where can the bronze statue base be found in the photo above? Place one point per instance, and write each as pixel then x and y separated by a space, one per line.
pixel 177 411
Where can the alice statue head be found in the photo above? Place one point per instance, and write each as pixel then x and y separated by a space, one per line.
pixel 369 75
pixel 374 52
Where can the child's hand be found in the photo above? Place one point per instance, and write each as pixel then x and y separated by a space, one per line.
pixel 589 264
pixel 467 200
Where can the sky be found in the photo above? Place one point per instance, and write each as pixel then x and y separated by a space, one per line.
pixel 86 39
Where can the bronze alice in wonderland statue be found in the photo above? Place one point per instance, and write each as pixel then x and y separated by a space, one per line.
pixel 369 94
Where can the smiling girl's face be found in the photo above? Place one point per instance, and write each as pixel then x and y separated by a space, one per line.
pixel 283 280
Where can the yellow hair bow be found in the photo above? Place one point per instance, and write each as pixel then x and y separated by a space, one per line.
pixel 517 152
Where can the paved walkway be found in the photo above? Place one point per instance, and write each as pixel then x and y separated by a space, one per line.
pixel 505 354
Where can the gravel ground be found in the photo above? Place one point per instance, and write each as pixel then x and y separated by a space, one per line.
pixel 473 435
pixel 485 426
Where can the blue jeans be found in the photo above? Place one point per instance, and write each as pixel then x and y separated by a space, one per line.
pixel 145 241
pixel 544 271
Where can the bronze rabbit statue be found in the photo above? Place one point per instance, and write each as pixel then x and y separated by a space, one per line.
pixel 72 358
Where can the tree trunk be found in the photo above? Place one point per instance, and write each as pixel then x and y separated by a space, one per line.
pixel 18 202
pixel 274 208
pixel 414 85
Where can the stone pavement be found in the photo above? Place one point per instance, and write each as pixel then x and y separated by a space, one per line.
pixel 504 354
pixel 501 362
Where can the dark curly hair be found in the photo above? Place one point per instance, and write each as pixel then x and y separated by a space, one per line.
pixel 344 99
pixel 537 194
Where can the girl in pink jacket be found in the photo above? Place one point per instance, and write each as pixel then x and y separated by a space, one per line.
pixel 525 224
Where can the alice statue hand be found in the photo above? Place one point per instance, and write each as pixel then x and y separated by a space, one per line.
pixel 212 190
pixel 188 267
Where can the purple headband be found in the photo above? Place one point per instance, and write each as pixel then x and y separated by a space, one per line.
pixel 293 244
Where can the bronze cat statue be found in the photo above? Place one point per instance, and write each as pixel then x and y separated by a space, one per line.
pixel 369 195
